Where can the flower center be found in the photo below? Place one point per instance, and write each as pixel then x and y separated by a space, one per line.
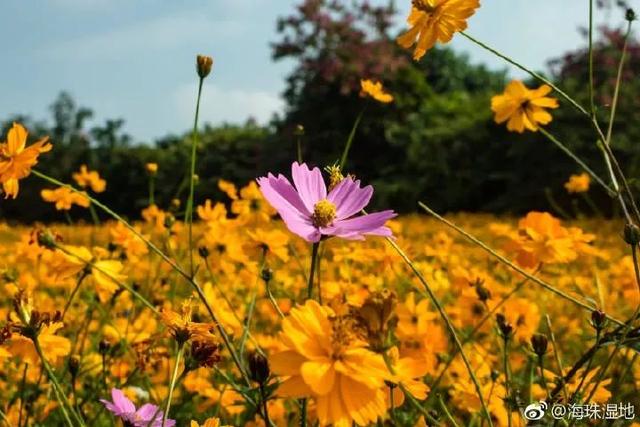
pixel 324 212
pixel 427 6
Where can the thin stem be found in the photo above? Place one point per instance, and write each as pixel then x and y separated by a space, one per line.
pixel 172 264
pixel 152 199
pixel 591 91
pixel 575 158
pixel 73 293
pixel 22 385
pixel 263 397
pixel 449 326
pixel 513 266
pixel 507 379
pixel 557 355
pixel 172 385
pixel 352 134
pixel 188 214
pixel 314 262
pixel 447 413
pixel 616 92
pixel 60 395
pixel 530 72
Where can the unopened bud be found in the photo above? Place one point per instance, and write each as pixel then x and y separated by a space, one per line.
pixel 299 130
pixel 631 234
pixel 630 15
pixel 598 319
pixel 266 274
pixel 258 367
pixel 539 343
pixel 74 365
pixel 152 168
pixel 104 346
pixel 203 65
pixel 203 252
pixel 505 328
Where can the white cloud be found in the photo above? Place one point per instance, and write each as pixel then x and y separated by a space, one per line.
pixel 160 35
pixel 226 105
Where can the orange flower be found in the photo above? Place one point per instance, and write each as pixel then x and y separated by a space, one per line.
pixel 326 360
pixel 65 198
pixel 434 21
pixel 578 183
pixel 86 178
pixel 16 160
pixel 375 91
pixel 523 108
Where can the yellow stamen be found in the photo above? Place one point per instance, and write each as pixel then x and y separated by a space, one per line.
pixel 324 212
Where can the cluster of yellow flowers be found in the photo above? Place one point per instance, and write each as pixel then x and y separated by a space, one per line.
pixel 375 347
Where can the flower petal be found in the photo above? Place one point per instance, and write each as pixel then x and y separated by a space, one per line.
pixel 309 183
pixel 356 228
pixel 349 198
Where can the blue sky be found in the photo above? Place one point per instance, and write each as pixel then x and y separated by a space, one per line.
pixel 135 58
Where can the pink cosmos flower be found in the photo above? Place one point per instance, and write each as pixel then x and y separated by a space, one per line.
pixel 311 213
pixel 147 415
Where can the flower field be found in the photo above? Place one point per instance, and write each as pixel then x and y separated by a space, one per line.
pixel 291 300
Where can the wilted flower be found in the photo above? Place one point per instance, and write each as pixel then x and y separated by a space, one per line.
pixel 523 108
pixel 310 213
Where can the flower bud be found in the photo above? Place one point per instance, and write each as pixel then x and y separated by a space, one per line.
pixel 483 293
pixel 266 274
pixel 203 252
pixel 74 365
pixel 299 130
pixel 539 343
pixel 203 65
pixel 631 234
pixel 505 328
pixel 104 346
pixel 152 168
pixel 258 367
pixel 598 319
pixel 630 15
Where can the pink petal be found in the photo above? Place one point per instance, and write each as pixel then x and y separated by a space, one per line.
pixel 282 196
pixel 349 198
pixel 309 183
pixel 306 230
pixel 355 228
pixel 122 402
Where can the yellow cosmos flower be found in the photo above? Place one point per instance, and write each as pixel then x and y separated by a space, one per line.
pixel 251 206
pixel 16 160
pixel 53 346
pixel 408 373
pixel 228 188
pixel 434 21
pixel 375 91
pixel 578 183
pixel 64 198
pixel 212 213
pixel 211 422
pixel 326 360
pixel 523 108
pixel 91 179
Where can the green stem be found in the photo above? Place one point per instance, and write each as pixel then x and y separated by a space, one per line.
pixel 448 324
pixel 513 266
pixel 172 385
pixel 188 214
pixel 582 164
pixel 60 395
pixel 446 412
pixel 591 91
pixel 616 92
pixel 556 353
pixel 507 380
pixel 314 262
pixel 94 215
pixel 530 72
pixel 73 293
pixel 172 264
pixel 152 185
pixel 352 134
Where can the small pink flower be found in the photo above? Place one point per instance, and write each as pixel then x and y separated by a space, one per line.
pixel 123 408
pixel 311 213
